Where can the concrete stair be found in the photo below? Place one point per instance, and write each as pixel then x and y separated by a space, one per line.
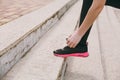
pixel 109 29
pixel 39 62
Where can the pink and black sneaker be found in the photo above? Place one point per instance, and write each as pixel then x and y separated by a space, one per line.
pixel 75 52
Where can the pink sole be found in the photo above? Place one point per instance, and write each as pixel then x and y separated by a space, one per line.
pixel 74 55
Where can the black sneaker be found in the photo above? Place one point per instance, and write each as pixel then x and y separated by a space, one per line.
pixel 76 52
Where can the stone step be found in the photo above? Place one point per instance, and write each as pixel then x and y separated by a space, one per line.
pixel 39 63
pixel 19 36
pixel 109 30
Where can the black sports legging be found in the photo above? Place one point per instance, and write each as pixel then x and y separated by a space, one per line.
pixel 85 7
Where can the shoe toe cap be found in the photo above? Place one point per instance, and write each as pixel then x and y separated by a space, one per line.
pixel 57 51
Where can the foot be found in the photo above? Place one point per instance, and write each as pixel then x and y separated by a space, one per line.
pixel 76 52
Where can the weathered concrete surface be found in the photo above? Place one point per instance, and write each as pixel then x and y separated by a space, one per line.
pixel 102 64
pixel 12 9
pixel 39 63
pixel 117 12
pixel 22 34
pixel 109 30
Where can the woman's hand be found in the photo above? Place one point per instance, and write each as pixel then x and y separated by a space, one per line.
pixel 73 39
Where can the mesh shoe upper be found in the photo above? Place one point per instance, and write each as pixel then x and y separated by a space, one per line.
pixel 68 50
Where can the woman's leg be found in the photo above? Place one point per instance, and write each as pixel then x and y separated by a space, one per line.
pixel 81 49
pixel 85 7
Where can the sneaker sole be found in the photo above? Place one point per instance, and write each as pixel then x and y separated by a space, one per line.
pixel 85 54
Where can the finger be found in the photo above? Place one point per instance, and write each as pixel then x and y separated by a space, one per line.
pixel 70 44
pixel 74 45
pixel 68 40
